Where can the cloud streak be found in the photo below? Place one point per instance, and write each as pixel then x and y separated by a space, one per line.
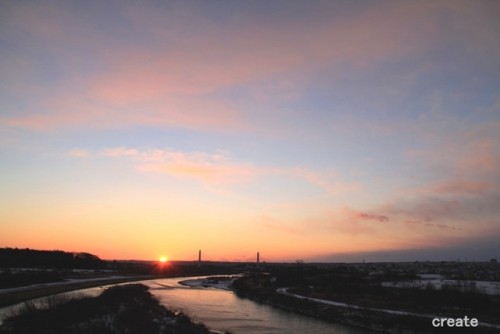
pixel 328 181
pixel 219 169
pixel 207 168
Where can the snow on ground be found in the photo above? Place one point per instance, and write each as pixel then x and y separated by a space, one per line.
pixel 285 291
pixel 208 282
pixel 486 287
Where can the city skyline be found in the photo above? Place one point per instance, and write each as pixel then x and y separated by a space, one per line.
pixel 322 131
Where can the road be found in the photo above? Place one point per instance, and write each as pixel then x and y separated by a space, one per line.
pixel 20 294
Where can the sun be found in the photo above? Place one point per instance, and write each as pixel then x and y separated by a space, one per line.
pixel 163 259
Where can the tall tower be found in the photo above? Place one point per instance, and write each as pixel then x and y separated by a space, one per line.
pixel 258 258
pixel 199 256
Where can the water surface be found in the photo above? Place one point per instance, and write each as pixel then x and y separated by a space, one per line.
pixel 220 310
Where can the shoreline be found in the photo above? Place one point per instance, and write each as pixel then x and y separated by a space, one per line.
pixel 285 292
pixel 12 296
pixel 371 318
pixel 129 308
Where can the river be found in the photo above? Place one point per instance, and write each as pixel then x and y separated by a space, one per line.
pixel 222 310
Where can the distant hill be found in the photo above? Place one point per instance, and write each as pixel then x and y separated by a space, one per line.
pixel 31 258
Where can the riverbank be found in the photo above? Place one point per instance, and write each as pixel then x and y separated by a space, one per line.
pixel 63 281
pixel 119 309
pixel 18 295
pixel 263 289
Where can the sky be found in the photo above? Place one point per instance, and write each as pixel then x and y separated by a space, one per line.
pixel 311 130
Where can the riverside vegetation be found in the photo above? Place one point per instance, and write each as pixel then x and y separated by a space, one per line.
pixel 351 285
pixel 118 310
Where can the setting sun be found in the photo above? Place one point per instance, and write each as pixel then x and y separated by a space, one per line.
pixel 163 259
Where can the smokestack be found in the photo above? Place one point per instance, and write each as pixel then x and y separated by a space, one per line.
pixel 258 258
pixel 199 256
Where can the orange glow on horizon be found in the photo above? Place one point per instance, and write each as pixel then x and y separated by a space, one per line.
pixel 163 259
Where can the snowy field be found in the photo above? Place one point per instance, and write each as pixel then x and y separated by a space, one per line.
pixel 438 282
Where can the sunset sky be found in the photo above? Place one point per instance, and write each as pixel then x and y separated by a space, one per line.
pixel 314 130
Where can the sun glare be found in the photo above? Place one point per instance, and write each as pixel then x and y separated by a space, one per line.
pixel 163 259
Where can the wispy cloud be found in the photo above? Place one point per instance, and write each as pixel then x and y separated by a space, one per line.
pixel 369 216
pixel 442 226
pixel 79 153
pixel 170 82
pixel 280 226
pixel 351 221
pixel 220 169
pixel 460 187
pixel 207 168
pixel 330 181
pixel 343 219
pixel 77 111
pixel 466 154
pixel 463 180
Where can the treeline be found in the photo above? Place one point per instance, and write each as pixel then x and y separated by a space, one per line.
pixel 9 279
pixel 174 269
pixel 30 258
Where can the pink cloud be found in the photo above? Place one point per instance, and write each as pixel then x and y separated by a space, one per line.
pixel 422 209
pixel 426 223
pixel 72 112
pixel 343 219
pixel 205 171
pixel 463 162
pixel 450 210
pixel 417 222
pixel 168 81
pixel 459 187
pixel 79 153
pixel 219 168
pixel 368 216
pixel 330 181
pixel 119 152
pixel 472 152
pixel 355 215
pixel 212 169
pixel 249 52
pixel 272 223
pixel 353 222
